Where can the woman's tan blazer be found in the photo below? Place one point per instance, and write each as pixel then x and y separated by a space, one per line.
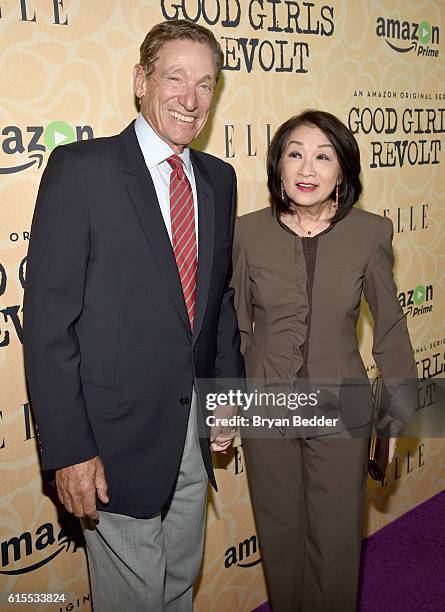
pixel 298 303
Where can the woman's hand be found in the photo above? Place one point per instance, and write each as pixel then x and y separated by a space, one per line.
pixel 221 436
pixel 392 448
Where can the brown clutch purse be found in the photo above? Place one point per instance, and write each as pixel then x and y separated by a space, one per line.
pixel 378 442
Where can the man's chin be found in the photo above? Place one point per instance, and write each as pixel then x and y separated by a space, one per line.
pixel 180 146
pixel 180 138
pixel 185 137
pixel 182 135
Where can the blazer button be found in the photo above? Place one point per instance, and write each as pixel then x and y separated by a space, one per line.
pixel 184 400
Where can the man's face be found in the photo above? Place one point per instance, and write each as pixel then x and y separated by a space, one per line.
pixel 176 97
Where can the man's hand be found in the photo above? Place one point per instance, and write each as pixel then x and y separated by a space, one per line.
pixel 221 436
pixel 392 449
pixel 77 486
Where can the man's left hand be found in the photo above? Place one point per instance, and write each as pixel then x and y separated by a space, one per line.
pixel 221 436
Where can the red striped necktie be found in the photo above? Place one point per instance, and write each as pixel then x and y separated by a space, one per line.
pixel 182 215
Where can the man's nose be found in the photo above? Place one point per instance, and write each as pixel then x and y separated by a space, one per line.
pixel 189 99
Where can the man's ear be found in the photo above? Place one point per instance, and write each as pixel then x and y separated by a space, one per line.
pixel 139 81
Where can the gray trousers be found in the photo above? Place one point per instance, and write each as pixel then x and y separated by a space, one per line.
pixel 150 565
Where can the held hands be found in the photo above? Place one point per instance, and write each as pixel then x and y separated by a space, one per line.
pixel 221 435
pixel 78 484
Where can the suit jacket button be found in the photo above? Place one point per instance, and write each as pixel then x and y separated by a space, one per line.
pixel 184 400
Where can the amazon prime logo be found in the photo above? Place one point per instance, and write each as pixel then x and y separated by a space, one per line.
pixel 244 554
pixel 26 552
pixel 407 36
pixel 417 301
pixel 32 142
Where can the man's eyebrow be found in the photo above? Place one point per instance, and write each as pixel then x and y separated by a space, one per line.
pixel 173 69
pixel 180 70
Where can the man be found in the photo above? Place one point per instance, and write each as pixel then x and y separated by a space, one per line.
pixel 127 302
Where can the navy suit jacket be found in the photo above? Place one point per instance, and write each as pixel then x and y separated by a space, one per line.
pixel 109 354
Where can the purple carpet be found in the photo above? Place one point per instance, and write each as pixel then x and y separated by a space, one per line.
pixel 403 564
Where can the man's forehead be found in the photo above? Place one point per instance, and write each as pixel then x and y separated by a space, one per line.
pixel 176 53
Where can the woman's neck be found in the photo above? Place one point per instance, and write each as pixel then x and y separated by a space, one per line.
pixel 309 220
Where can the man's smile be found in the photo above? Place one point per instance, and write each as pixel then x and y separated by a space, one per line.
pixel 180 117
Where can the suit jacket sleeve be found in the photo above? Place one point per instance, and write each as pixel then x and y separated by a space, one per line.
pixel 241 284
pixel 56 272
pixel 229 362
pixel 392 348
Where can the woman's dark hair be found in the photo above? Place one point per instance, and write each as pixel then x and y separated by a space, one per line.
pixel 345 146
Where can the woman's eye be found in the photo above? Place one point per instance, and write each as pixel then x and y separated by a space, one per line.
pixel 322 156
pixel 295 154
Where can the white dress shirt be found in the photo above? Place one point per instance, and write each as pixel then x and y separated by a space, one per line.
pixel 156 152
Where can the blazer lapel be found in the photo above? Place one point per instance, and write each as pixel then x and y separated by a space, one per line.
pixel 144 200
pixel 206 238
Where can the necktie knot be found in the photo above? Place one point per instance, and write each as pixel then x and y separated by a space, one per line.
pixel 175 162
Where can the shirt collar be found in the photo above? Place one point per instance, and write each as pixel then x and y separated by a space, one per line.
pixel 154 149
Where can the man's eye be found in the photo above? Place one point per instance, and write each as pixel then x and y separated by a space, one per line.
pixel 205 87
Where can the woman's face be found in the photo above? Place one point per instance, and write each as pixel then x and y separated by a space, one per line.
pixel 309 168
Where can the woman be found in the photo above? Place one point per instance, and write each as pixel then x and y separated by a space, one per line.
pixel 300 269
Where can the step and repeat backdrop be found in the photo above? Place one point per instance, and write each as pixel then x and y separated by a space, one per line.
pixel 66 69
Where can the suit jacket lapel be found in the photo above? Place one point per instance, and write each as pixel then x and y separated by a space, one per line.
pixel 144 199
pixel 206 237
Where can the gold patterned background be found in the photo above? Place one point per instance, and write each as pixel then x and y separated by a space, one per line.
pixel 70 61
